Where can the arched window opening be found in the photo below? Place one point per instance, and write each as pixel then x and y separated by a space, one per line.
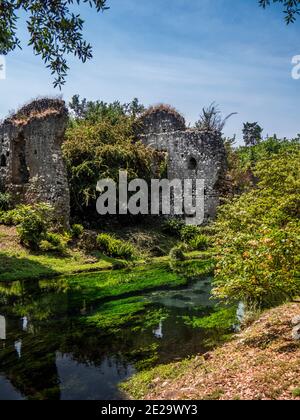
pixel 3 161
pixel 192 164
pixel 20 172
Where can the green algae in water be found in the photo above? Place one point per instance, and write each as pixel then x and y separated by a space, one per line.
pixel 223 318
pixel 113 315
pixel 111 284
pixel 63 341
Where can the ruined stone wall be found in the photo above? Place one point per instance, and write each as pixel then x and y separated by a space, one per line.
pixel 161 119
pixel 192 154
pixel 31 163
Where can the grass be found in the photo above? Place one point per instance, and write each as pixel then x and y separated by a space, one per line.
pixel 261 363
pixel 23 265
pixel 138 386
pixel 18 263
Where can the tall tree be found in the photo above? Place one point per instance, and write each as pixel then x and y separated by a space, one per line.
pixel 54 31
pixel 252 133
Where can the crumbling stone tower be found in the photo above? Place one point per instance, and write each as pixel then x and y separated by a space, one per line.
pixel 192 154
pixel 31 163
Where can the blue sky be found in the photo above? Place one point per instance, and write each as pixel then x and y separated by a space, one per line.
pixel 188 53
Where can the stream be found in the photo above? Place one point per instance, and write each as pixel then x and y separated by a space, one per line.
pixel 57 343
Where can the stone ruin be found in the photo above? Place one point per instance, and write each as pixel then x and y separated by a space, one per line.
pixel 191 154
pixel 32 168
pixel 31 163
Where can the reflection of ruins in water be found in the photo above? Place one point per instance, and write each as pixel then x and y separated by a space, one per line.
pixel 2 328
pixel 45 355
pixel 50 351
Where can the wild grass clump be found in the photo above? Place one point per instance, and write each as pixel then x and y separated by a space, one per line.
pixel 199 243
pixel 54 242
pixel 176 254
pixel 77 231
pixel 115 248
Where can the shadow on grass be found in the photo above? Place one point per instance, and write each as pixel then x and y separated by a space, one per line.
pixel 20 268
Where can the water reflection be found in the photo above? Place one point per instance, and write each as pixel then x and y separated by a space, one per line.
pixel 48 350
pixel 2 328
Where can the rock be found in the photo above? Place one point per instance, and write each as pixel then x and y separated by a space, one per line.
pixel 207 356
pixel 296 333
pixel 296 320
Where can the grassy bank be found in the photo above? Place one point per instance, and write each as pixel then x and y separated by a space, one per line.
pixel 18 263
pixel 25 266
pixel 260 363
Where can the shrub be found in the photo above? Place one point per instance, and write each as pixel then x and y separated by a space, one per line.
pixel 9 218
pixel 189 233
pixel 5 201
pixel 103 145
pixel 54 243
pixel 173 227
pixel 176 254
pixel 34 222
pixel 258 234
pixel 77 231
pixel 199 243
pixel 114 247
pixel 259 269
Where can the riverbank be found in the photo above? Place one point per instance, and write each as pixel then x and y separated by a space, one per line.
pixel 262 362
pixel 18 263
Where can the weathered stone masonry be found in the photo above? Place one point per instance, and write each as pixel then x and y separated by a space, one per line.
pixel 31 163
pixel 32 167
pixel 192 154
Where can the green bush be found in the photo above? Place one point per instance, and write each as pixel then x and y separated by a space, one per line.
pixel 103 146
pixel 114 247
pixel 11 217
pixel 199 243
pixel 54 242
pixel 5 201
pixel 77 231
pixel 173 227
pixel 189 232
pixel 34 222
pixel 176 254
pixel 258 233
